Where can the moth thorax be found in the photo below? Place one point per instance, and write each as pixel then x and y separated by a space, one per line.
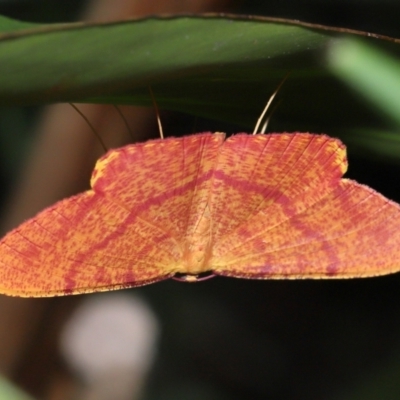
pixel 196 258
pixel 197 251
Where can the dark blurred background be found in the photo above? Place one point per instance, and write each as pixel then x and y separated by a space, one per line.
pixel 224 338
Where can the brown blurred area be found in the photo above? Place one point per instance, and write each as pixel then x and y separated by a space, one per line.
pixel 59 165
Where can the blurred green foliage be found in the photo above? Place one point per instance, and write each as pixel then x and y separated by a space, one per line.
pixel 9 392
pixel 375 75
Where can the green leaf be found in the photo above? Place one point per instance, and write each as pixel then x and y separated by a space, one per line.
pixel 12 25
pixel 375 75
pixel 371 72
pixel 217 66
pixel 10 392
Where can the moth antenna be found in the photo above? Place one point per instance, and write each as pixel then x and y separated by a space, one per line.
pixel 160 130
pixel 91 126
pixel 269 103
pixel 265 125
pixel 125 121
